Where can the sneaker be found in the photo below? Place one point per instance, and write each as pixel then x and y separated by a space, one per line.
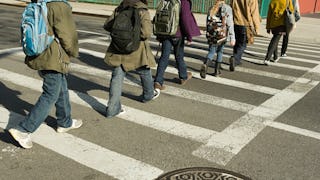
pixel 231 62
pixel 122 111
pixel 276 60
pixel 266 62
pixel 203 71
pixel 184 81
pixel 23 138
pixel 284 55
pixel 75 124
pixel 156 94
pixel 159 86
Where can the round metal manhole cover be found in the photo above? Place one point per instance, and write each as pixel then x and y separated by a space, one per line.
pixel 202 173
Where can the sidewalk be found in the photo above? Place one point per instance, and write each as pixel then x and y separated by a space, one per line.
pixel 307 30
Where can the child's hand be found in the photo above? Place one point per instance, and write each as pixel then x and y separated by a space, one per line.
pixel 232 43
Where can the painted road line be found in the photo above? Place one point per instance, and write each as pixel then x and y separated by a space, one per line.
pixel 220 80
pixel 289 58
pixel 143 118
pixel 240 69
pixel 303 48
pixel 183 93
pixel 84 152
pixel 263 48
pixel 11 50
pixel 223 146
pixel 293 129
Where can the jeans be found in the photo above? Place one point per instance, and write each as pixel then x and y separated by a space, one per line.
pixel 55 92
pixel 118 74
pixel 178 48
pixel 213 49
pixel 241 42
pixel 285 42
pixel 273 47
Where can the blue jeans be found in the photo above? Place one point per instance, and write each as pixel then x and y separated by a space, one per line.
pixel 213 49
pixel 118 74
pixel 55 92
pixel 178 48
pixel 241 42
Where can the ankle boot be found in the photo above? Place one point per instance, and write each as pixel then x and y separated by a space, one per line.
pixel 217 68
pixel 204 68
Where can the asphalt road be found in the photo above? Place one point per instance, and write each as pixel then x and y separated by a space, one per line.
pixel 259 121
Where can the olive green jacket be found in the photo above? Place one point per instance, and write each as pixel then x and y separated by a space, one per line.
pixel 57 56
pixel 143 55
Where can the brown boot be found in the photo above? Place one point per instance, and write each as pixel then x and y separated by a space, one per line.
pixel 184 81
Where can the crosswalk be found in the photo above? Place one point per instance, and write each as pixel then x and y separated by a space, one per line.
pixel 245 103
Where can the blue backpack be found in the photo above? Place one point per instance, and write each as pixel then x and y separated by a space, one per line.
pixel 34 28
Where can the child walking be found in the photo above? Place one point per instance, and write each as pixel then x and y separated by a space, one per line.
pixel 219 31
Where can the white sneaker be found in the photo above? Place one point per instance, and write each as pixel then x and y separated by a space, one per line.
pixel 266 62
pixel 75 124
pixel 156 93
pixel 23 138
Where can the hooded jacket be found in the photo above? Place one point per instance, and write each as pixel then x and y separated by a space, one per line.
pixel 246 13
pixel 57 56
pixel 143 55
pixel 188 25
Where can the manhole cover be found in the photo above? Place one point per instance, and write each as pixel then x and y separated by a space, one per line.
pixel 202 173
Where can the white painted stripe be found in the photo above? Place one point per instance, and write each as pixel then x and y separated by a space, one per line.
pixel 143 118
pixel 239 68
pixel 11 50
pixel 220 80
pixel 183 93
pixel 232 139
pixel 287 66
pixel 316 51
pixel 289 58
pixel 94 33
pixel 264 47
pixel 293 129
pixel 84 152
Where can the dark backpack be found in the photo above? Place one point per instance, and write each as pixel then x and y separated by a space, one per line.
pixel 125 30
pixel 217 30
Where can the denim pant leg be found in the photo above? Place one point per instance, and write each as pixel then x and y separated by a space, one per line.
pixel 63 108
pixel 273 46
pixel 114 104
pixel 212 51
pixel 51 89
pixel 163 61
pixel 241 42
pixel 147 83
pixel 220 53
pixel 178 48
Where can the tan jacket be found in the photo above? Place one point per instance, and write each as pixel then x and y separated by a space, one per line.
pixel 246 13
pixel 57 57
pixel 276 13
pixel 143 55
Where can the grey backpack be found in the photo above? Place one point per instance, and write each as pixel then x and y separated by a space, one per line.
pixel 166 19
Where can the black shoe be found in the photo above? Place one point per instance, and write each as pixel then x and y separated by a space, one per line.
pixel 231 62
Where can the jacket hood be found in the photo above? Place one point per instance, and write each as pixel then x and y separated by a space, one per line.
pixel 134 3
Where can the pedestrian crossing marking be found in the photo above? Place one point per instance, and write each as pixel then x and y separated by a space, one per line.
pixel 233 138
pixel 143 118
pixel 84 152
pixel 260 119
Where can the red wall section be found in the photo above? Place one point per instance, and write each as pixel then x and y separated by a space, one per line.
pixel 309 6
